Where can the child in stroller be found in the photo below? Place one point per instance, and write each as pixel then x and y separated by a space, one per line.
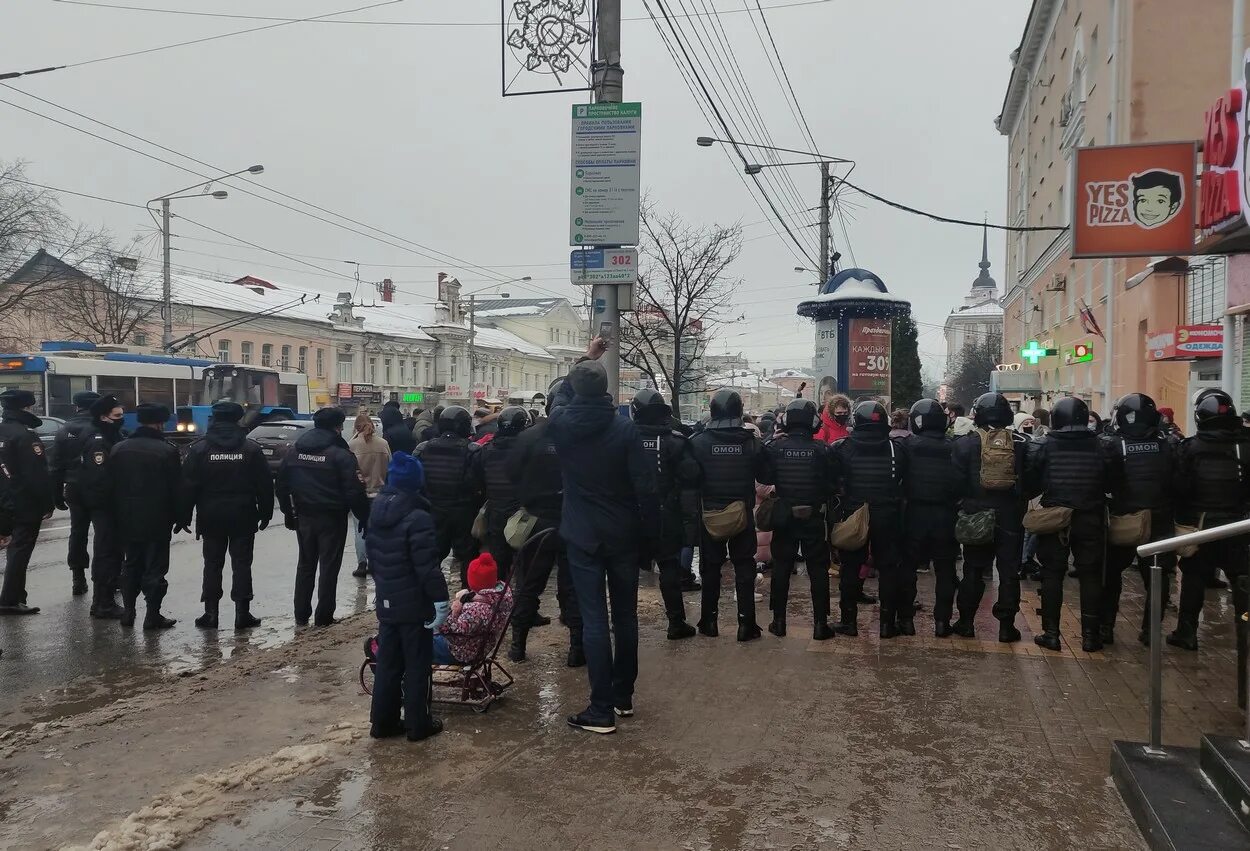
pixel 479 615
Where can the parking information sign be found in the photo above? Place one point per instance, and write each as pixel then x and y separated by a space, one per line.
pixel 603 265
pixel 607 151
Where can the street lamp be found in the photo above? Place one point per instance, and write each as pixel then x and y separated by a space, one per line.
pixel 473 320
pixel 167 332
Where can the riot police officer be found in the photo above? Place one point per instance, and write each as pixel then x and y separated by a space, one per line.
pixel 95 490
pixel 318 484
pixel 451 485
pixel 144 475
pixel 730 460
pixel 1068 469
pixel 676 482
pixel 801 469
pixel 1141 462
pixel 501 499
pixel 1212 488
pixel 929 520
pixel 227 484
pixel 66 458
pixel 21 453
pixel 873 469
pixel 989 466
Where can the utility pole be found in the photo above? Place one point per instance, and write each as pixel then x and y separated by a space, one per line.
pixel 167 308
pixel 472 338
pixel 608 79
pixel 824 223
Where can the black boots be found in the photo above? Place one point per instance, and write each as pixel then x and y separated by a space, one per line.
pixel 942 629
pixel 707 626
pixel 846 627
pixel 208 620
pixel 964 628
pixel 577 655
pixel 243 618
pixel 679 629
pixel 906 626
pixel 1049 639
pixel 128 614
pixel 889 626
pixel 778 626
pixel 516 652
pixel 80 582
pixel 821 631
pixel 1185 636
pixel 748 631
pixel 362 570
pixel 155 620
pixel 1106 634
pixel 1091 642
pixel 1007 632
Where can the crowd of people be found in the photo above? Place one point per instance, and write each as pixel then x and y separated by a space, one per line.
pixel 843 488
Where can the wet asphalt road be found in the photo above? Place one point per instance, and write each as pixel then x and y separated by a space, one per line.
pixel 61 661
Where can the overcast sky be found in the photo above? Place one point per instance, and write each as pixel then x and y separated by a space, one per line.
pixel 404 128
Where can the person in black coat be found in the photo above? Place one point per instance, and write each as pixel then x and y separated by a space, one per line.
pixel 144 473
pixel 64 461
pixel 491 469
pixel 412 602
pixel 452 485
pixel 317 485
pixel 21 451
pixel 95 489
pixel 227 484
pixel 397 435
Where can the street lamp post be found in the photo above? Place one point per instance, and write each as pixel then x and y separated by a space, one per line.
pixel 473 321
pixel 167 332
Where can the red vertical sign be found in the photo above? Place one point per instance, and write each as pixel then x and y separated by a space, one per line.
pixel 868 352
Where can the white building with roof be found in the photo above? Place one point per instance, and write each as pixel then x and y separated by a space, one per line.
pixel 979 317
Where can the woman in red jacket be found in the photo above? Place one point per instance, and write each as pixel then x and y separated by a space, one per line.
pixel 834 418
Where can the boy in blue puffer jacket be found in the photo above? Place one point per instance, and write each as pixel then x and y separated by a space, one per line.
pixel 412 602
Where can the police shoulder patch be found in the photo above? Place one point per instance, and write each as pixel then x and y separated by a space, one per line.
pixel 37 447
pixel 98 458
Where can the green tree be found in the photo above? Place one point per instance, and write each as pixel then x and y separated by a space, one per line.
pixel 906 385
pixel 973 365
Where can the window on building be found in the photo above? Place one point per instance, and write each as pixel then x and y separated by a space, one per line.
pixel 454 371
pixel 1204 301
pixel 141 339
pixel 321 363
pixel 245 352
pixel 403 371
pixel 372 375
pixel 553 334
pixel 266 354
pixel 386 370
pixel 223 351
pixel 346 369
pixel 286 357
pixel 303 359
pixel 427 372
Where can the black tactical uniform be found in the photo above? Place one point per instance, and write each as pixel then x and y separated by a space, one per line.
pixel 990 412
pixel 144 473
pixel 932 505
pixel 21 453
pixel 318 483
pixel 452 487
pixel 1068 469
pixel 873 469
pixel 491 463
pixel 535 472
pixel 730 461
pixel 1212 488
pixel 94 488
pixel 676 482
pixel 65 459
pixel 802 471
pixel 1141 463
pixel 227 484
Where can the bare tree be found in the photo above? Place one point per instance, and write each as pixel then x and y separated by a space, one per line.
pixel 974 363
pixel 104 303
pixel 683 292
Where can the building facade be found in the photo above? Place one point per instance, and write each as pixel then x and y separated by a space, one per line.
pixel 979 318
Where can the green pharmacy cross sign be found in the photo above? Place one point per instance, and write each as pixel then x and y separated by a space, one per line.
pixel 1034 352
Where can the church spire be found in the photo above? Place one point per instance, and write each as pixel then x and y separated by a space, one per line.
pixel 984 281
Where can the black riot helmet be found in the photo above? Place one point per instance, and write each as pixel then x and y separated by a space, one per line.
pixel 1136 415
pixel 801 415
pixel 649 408
pixel 1215 411
pixel 726 409
pixel 871 415
pixel 1069 414
pixel 513 420
pixel 456 420
pixel 927 415
pixel 1202 394
pixel 992 410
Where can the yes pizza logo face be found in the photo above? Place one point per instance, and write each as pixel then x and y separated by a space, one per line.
pixel 1148 199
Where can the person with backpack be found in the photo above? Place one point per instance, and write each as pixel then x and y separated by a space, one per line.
pixel 989 467
pixel 1141 461
pixel 1068 469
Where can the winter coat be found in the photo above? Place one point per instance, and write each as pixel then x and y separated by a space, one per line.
pixel 66 456
pixel 226 483
pixel 730 461
pixel 424 421
pixel 319 475
pixel 491 468
pixel 474 631
pixel 451 481
pixel 608 487
pixel 7 507
pixel 373 456
pixel 966 458
pixel 403 557
pixel 146 473
pixel 535 471
pixel 1212 476
pixel 830 429
pixel 95 484
pixel 1069 469
pixel 22 452
pixel 397 435
pixel 872 469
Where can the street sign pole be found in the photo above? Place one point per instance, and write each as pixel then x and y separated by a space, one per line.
pixel 609 88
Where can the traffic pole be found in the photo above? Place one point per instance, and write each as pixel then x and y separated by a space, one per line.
pixel 608 79
pixel 167 331
pixel 824 224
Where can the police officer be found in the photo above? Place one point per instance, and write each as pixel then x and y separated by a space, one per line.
pixel 452 486
pixel 144 475
pixel 801 468
pixel 535 473
pixel 676 484
pixel 1068 469
pixel 95 489
pixel 872 469
pixel 227 484
pixel 66 457
pixel 730 461
pixel 929 520
pixel 501 499
pixel 317 485
pixel 21 453
pixel 999 489
pixel 1141 462
pixel 1212 488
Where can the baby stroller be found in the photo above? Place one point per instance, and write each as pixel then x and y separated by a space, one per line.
pixel 477 683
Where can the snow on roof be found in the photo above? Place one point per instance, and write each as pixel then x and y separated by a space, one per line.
pixel 790 373
pixel 989 307
pixel 496 339
pixel 502 307
pixel 854 288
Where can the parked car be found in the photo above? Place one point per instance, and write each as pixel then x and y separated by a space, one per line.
pixel 275 438
pixel 48 429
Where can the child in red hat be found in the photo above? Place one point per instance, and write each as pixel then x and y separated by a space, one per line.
pixel 479 615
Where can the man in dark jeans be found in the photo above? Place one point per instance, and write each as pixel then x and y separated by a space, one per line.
pixel 317 485
pixel 65 461
pixel 609 500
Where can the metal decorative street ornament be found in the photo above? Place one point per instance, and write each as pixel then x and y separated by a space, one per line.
pixel 547 46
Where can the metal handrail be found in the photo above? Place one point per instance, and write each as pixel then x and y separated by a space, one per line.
pixel 1154 549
